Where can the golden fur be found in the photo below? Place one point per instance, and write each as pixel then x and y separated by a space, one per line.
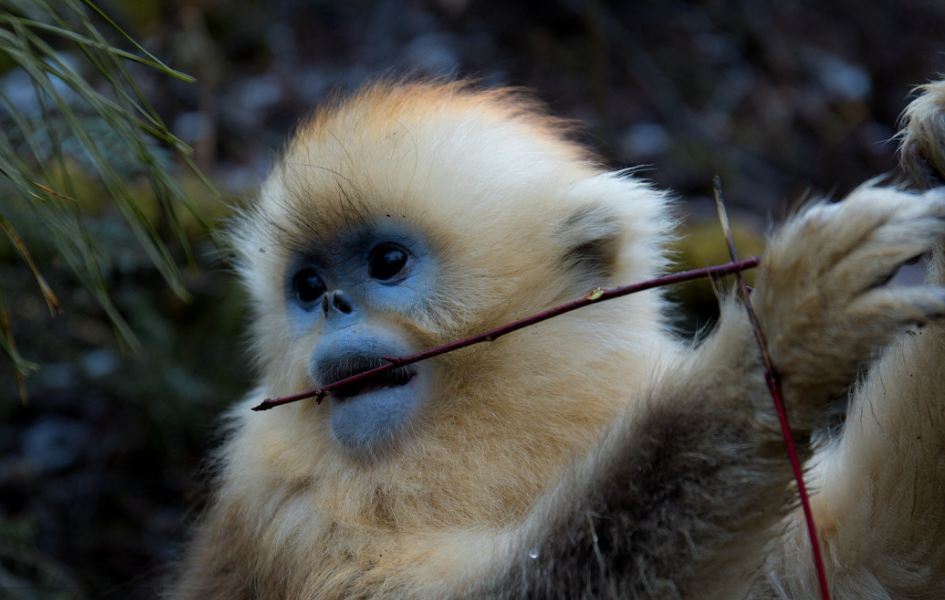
pixel 595 454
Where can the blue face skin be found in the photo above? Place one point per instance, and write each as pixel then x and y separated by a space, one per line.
pixel 342 290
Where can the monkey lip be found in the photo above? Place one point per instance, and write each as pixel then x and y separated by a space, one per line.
pixel 396 378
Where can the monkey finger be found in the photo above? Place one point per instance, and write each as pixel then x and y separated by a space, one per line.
pixel 895 306
pixel 922 152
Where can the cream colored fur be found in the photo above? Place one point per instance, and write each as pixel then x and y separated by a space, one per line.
pixel 504 470
pixel 881 501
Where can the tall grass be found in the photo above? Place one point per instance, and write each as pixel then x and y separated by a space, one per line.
pixel 107 126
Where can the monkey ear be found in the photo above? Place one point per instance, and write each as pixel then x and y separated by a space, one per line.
pixel 592 241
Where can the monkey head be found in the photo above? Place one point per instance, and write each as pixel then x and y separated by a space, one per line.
pixel 408 216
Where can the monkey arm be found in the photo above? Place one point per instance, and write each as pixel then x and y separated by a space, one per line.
pixel 686 488
pixel 883 480
pixel 879 495
pixel 881 485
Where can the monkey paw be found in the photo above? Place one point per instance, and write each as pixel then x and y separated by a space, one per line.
pixel 922 153
pixel 821 296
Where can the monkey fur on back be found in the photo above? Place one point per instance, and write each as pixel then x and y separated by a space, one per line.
pixel 594 455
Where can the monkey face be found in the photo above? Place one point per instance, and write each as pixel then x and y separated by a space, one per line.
pixel 402 220
pixel 353 295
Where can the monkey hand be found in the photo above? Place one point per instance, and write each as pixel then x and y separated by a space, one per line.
pixel 922 153
pixel 821 294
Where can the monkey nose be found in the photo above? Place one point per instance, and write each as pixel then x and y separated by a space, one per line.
pixel 336 300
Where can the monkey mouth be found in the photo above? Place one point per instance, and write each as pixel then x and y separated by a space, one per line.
pixel 398 377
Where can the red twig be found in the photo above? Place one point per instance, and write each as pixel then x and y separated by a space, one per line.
pixel 598 295
pixel 773 379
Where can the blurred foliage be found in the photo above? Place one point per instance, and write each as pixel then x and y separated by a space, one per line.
pixel 30 575
pixel 62 127
pixel 101 202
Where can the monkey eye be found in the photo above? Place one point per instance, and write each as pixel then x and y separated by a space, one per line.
pixel 386 261
pixel 308 285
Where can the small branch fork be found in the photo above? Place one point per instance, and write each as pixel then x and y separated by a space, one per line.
pixel 598 295
pixel 773 379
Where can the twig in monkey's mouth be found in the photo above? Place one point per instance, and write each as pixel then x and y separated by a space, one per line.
pixel 396 378
pixel 494 334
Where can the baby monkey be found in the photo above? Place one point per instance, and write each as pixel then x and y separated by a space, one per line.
pixel 594 455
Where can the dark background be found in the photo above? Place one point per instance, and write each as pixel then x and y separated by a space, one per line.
pixel 784 100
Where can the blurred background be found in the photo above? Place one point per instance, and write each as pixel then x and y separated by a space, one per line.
pixel 99 469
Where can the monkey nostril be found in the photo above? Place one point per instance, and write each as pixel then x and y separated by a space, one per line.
pixel 340 302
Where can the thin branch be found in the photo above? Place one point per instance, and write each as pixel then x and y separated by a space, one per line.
pixel 598 295
pixel 773 379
